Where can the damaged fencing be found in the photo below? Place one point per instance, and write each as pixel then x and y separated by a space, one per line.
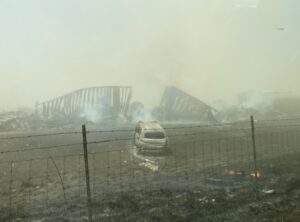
pixel 50 177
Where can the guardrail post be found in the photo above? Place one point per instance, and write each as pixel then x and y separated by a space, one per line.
pixel 254 157
pixel 87 173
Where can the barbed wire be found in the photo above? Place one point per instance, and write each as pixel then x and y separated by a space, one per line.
pixel 110 131
pixel 104 182
pixel 41 158
pixel 206 126
pixel 274 120
pixel 25 149
pixel 63 145
pixel 131 130
pixel 166 128
pixel 39 135
pixel 110 140
pixel 277 126
pixel 39 148
pixel 128 139
pixel 211 132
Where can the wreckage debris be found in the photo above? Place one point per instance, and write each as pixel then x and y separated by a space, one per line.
pixel 178 105
pixel 255 174
pixel 112 104
pixel 12 121
pixel 112 100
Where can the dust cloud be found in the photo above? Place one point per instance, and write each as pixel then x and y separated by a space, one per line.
pixel 211 49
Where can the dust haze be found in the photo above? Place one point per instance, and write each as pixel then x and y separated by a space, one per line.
pixel 211 49
pixel 149 110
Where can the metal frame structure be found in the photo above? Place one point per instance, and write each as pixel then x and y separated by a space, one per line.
pixel 177 104
pixel 116 97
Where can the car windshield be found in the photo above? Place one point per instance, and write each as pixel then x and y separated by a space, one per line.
pixel 155 135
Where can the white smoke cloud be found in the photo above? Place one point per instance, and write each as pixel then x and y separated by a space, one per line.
pixel 142 114
pixel 257 100
pixel 96 114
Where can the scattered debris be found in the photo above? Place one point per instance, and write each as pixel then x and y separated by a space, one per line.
pixel 268 191
pixel 255 174
pixel 236 173
pixel 13 121
pixel 150 166
pixel 206 200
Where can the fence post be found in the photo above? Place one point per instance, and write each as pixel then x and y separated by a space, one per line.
pixel 87 173
pixel 254 157
pixel 10 189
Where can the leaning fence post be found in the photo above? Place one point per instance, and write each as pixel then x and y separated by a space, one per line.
pixel 254 158
pixel 87 173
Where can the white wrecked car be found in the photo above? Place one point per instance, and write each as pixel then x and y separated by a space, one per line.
pixel 150 137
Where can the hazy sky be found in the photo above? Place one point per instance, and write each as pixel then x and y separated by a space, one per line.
pixel 210 48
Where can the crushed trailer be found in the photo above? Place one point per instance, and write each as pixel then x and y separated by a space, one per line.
pixel 178 105
pixel 115 99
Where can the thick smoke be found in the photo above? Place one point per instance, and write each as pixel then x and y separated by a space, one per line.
pixel 142 114
pixel 94 114
pixel 261 101
pixel 138 112
pixel 211 49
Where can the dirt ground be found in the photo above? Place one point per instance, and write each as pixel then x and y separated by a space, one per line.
pixel 279 200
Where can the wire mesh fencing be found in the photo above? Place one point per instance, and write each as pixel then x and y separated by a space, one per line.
pixel 47 176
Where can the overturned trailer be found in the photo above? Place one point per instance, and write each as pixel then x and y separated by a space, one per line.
pixel 177 105
pixel 110 100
